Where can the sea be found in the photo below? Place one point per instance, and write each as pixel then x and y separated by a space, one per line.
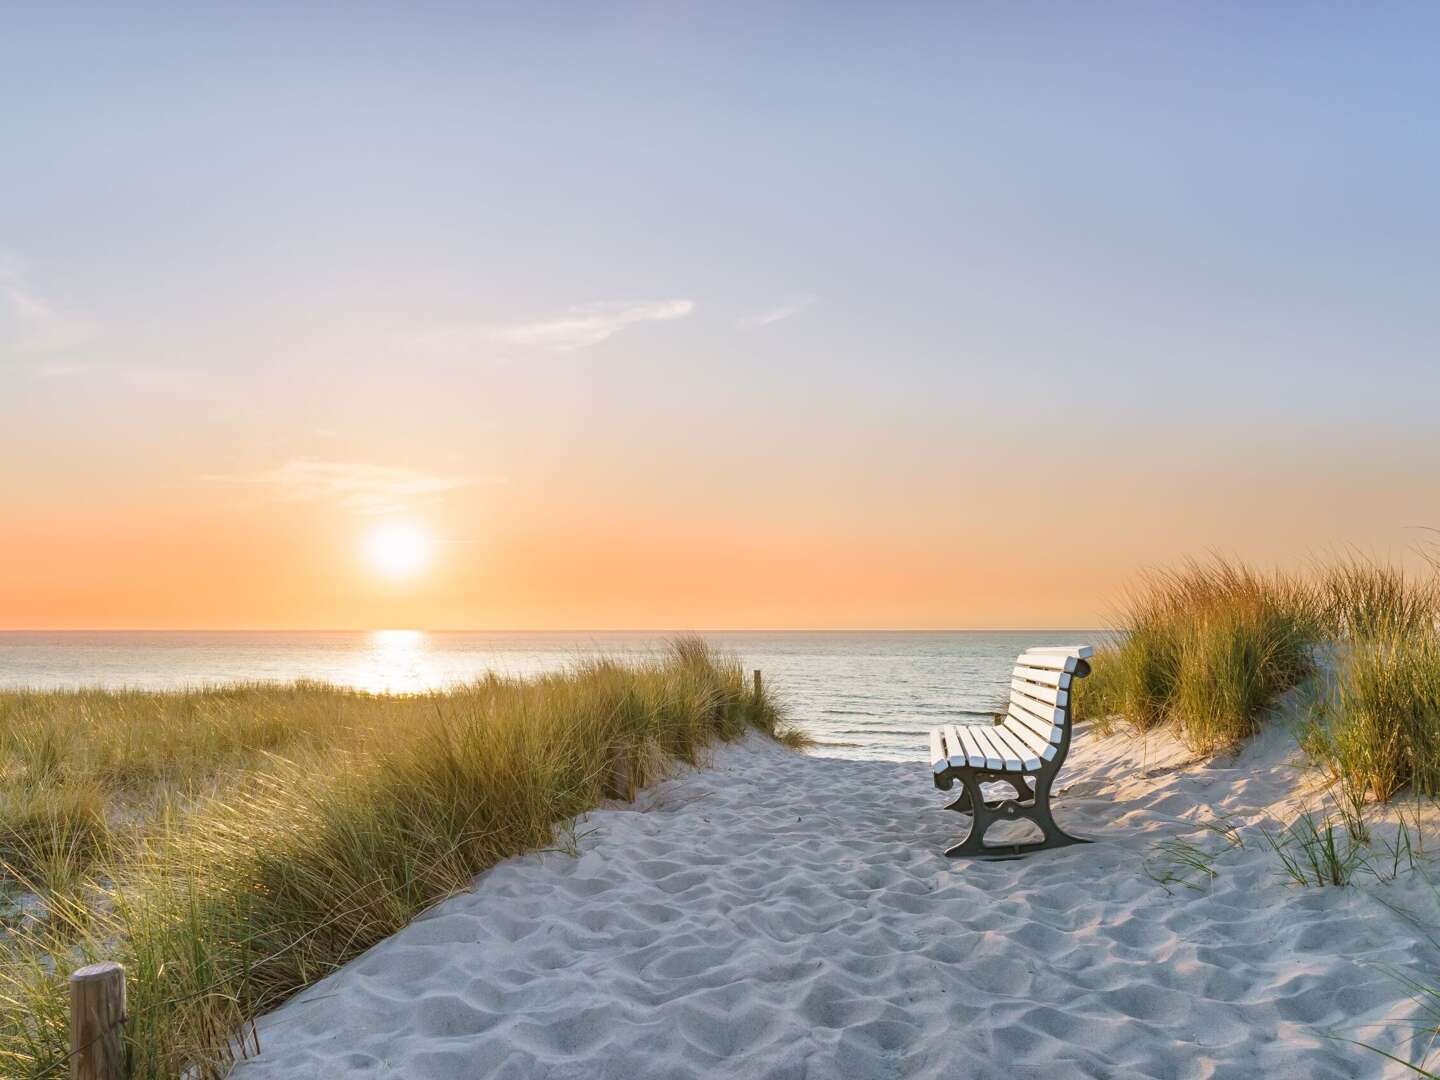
pixel 865 694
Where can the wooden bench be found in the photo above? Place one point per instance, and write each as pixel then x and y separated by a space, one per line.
pixel 1028 746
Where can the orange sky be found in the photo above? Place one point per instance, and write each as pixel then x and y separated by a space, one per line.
pixel 737 536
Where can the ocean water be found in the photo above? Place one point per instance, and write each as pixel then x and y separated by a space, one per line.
pixel 864 695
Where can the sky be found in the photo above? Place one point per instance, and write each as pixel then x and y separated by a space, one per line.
pixel 703 315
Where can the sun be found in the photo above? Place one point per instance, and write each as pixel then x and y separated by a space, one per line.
pixel 398 549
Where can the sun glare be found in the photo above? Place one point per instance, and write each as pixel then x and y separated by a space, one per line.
pixel 398 549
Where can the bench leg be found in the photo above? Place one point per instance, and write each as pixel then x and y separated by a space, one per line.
pixel 1023 792
pixel 961 804
pixel 985 814
pixel 1055 837
pixel 982 819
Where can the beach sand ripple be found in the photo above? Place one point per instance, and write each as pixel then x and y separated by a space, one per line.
pixel 778 915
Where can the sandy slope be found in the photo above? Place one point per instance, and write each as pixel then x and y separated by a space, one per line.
pixel 781 915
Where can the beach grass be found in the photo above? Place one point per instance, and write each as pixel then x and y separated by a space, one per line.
pixel 1366 600
pixel 1209 648
pixel 232 846
pixel 1376 726
pixel 1205 648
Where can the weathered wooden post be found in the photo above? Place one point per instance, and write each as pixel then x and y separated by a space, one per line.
pixel 757 682
pixel 621 784
pixel 97 1011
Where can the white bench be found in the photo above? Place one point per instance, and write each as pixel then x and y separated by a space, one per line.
pixel 1027 746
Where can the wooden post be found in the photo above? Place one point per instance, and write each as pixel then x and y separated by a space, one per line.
pixel 757 682
pixel 97 1009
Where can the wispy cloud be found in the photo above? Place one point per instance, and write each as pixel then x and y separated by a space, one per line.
pixel 364 488
pixel 31 324
pixel 591 324
pixel 577 328
pixel 775 314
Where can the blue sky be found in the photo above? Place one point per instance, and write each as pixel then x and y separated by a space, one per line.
pixel 831 245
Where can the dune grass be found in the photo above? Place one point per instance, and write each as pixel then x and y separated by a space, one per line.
pixel 1206 648
pixel 1209 648
pixel 1376 725
pixel 252 839
pixel 1364 600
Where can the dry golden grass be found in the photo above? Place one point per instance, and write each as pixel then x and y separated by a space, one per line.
pixel 1209 648
pixel 1206 648
pixel 231 846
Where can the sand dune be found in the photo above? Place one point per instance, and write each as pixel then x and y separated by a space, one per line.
pixel 781 915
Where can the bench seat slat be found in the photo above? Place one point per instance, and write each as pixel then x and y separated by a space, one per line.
pixel 1023 756
pixel 974 755
pixel 1004 757
pixel 961 753
pixel 990 755
pixel 1015 756
pixel 939 761
pixel 980 752
pixel 1036 744
pixel 954 748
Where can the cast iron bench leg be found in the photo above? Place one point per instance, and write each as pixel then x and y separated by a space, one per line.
pixel 1022 792
pixel 1036 810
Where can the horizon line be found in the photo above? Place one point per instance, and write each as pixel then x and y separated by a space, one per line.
pixel 544 630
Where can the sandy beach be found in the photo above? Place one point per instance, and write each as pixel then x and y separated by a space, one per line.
pixel 778 914
pixel 510 509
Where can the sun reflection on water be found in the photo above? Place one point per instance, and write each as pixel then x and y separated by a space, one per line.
pixel 396 662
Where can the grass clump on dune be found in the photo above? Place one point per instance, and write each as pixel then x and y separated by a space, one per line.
pixel 303 846
pixel 1366 601
pixel 1376 725
pixel 1206 648
pixel 1209 648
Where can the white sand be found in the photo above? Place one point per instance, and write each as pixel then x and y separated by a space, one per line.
pixel 781 915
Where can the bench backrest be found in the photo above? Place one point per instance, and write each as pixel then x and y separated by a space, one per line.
pixel 1040 687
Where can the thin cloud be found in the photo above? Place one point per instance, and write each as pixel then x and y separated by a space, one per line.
pixel 364 488
pixel 591 324
pixel 578 328
pixel 31 324
pixel 775 314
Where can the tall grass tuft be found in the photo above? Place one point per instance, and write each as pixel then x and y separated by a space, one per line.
pixel 1317 854
pixel 315 841
pixel 1207 648
pixel 51 833
pixel 1365 601
pixel 1377 727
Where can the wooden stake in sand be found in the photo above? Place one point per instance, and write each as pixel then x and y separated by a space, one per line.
pixel 757 682
pixel 97 1011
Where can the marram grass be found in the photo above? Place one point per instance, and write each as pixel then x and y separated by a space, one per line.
pixel 1377 724
pixel 1208 649
pixel 274 833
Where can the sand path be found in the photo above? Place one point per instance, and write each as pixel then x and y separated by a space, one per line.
pixel 779 915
